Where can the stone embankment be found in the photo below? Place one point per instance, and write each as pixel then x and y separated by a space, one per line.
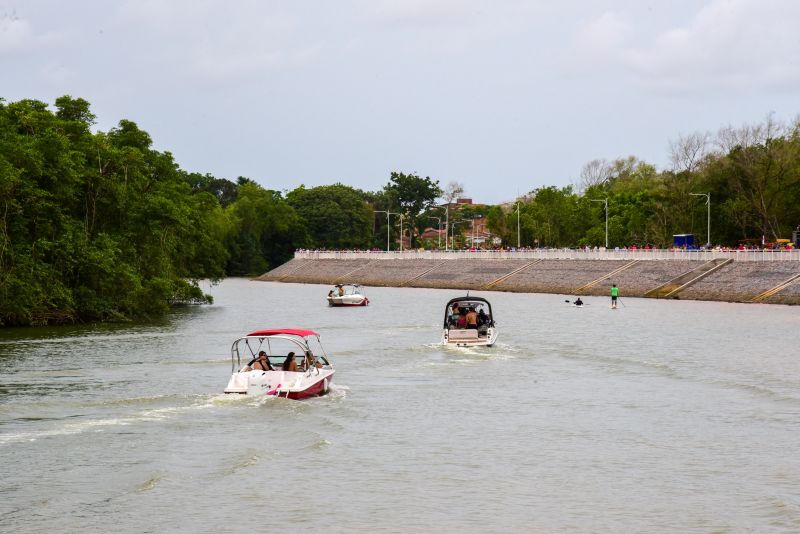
pixel 742 279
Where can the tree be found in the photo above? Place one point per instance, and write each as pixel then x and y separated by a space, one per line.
pixel 451 193
pixel 414 195
pixel 95 226
pixel 595 173
pixel 336 216
pixel 688 151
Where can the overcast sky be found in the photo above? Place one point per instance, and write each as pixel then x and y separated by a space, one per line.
pixel 503 96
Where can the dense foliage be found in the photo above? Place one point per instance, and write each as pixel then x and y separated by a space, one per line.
pixel 90 226
pixel 101 226
pixel 753 178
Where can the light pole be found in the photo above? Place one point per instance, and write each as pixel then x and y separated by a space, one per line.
pixel 517 225
pixel 708 203
pixel 478 232
pixel 453 226
pixel 439 228
pixel 605 203
pixel 388 227
pixel 401 231
pixel 447 227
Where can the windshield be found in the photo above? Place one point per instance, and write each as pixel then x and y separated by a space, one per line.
pixel 277 348
pixel 457 312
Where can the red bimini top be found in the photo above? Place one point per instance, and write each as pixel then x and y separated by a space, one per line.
pixel 277 331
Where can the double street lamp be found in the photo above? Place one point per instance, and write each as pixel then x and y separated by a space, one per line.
pixel 605 203
pixel 708 203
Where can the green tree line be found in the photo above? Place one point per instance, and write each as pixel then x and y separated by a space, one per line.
pixel 100 226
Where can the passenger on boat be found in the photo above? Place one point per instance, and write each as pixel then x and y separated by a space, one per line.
pixel 259 363
pixel 453 316
pixel 482 318
pixel 289 364
pixel 341 291
pixel 472 319
pixel 308 360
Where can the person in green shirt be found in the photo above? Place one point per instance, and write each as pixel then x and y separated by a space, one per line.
pixel 614 295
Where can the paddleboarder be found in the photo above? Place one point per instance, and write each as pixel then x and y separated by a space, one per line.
pixel 614 295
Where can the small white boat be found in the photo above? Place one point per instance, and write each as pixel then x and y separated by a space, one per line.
pixel 468 322
pixel 279 362
pixel 347 295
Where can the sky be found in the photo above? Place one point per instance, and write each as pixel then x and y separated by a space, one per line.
pixel 502 96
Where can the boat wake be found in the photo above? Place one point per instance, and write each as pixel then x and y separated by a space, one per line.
pixel 100 424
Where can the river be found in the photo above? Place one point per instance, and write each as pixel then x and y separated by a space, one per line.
pixel 660 416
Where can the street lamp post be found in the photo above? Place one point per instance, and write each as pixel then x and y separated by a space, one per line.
pixel 517 225
pixel 401 231
pixel 478 232
pixel 472 234
pixel 447 227
pixel 453 230
pixel 605 203
pixel 708 203
pixel 439 228
pixel 388 227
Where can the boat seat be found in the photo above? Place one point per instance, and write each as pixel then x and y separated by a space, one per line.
pixel 463 335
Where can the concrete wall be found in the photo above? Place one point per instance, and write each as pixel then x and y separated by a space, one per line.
pixel 736 281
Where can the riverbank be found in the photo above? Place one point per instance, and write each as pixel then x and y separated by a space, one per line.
pixel 683 276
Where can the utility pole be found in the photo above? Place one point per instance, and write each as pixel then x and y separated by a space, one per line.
pixel 517 225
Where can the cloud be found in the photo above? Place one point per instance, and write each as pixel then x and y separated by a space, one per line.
pixel 734 45
pixel 56 75
pixel 609 32
pixel 15 33
pixel 206 41
pixel 421 13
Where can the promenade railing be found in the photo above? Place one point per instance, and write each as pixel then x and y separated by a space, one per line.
pixel 556 254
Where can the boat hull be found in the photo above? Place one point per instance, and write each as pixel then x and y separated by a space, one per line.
pixel 292 385
pixel 469 337
pixel 348 300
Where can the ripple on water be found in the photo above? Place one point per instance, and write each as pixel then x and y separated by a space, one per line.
pixel 665 417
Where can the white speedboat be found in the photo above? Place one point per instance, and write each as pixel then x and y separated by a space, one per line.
pixel 468 322
pixel 347 295
pixel 279 362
